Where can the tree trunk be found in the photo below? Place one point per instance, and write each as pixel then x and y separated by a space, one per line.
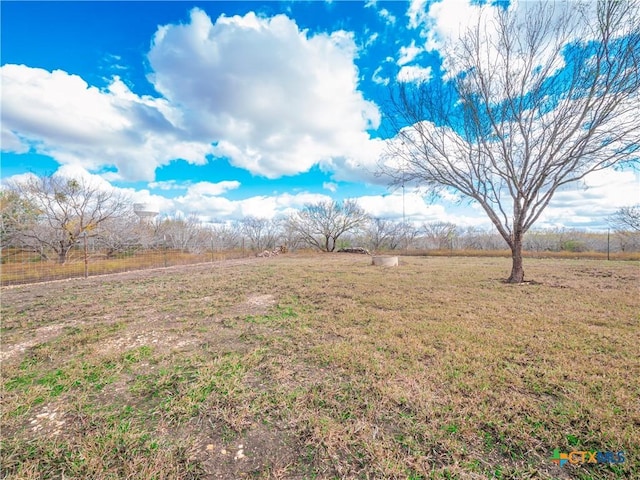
pixel 517 270
pixel 333 243
pixel 63 251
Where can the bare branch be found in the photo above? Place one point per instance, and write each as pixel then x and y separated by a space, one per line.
pixel 321 224
pixel 542 99
pixel 67 208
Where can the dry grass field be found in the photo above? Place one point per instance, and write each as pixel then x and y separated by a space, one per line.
pixel 323 367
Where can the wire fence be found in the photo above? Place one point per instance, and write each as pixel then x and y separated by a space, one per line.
pixel 21 266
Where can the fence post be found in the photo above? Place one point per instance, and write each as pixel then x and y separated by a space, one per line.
pixel 86 255
pixel 164 250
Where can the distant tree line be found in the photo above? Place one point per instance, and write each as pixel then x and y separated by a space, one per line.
pixel 50 216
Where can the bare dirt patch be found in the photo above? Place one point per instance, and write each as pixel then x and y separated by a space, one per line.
pixel 48 420
pixel 40 335
pixel 157 339
pixel 260 450
pixel 254 305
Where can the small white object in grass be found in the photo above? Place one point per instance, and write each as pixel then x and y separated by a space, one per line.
pixel 385 261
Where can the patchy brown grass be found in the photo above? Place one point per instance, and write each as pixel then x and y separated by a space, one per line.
pixel 322 366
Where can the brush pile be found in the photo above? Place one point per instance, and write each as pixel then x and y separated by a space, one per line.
pixel 362 251
pixel 273 253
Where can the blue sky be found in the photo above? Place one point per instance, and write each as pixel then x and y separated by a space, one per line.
pixel 226 109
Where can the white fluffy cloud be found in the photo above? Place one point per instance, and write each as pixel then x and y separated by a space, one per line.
pixel 332 187
pixel 213 189
pixel 407 54
pixel 377 78
pixel 415 209
pixel 411 73
pixel 417 13
pixel 383 13
pixel 414 73
pixel 360 167
pixel 589 203
pixel 215 207
pixel 392 206
pixel 387 16
pixel 59 114
pixel 443 22
pixel 11 142
pixel 275 99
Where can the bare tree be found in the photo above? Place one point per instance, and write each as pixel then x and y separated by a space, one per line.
pixel 381 232
pixel 17 214
pixel 407 235
pixel 288 236
pixel 626 219
pixel 122 233
pixel 261 232
pixel 440 235
pixel 477 239
pixel 626 223
pixel 540 101
pixel 67 209
pixel 186 234
pixel 321 224
pixel 227 236
pixel 384 233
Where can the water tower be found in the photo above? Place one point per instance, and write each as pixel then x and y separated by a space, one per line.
pixel 144 212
